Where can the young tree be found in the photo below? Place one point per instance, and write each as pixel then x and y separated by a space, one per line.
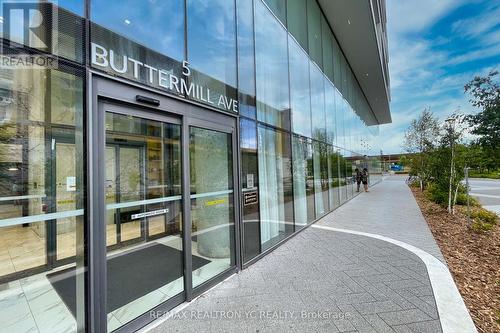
pixel 420 139
pixel 453 129
pixel 485 94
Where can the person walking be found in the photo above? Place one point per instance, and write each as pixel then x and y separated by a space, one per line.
pixel 357 176
pixel 364 179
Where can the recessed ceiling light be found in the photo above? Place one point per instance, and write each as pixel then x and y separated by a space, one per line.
pixel 127 22
pixel 348 21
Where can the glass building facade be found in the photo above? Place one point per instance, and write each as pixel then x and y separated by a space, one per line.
pixel 149 149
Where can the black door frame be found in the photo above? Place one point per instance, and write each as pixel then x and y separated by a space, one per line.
pixel 123 95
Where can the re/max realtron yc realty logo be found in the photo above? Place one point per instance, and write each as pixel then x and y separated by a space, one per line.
pixel 28 24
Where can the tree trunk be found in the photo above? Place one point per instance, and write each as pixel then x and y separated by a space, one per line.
pixel 452 164
pixel 455 199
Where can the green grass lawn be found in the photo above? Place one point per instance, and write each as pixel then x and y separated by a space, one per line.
pixel 493 174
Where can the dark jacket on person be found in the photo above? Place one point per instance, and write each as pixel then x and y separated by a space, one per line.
pixel 364 176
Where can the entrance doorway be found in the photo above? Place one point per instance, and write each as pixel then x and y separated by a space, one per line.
pixel 169 208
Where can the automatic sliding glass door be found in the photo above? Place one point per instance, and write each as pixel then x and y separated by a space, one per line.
pixel 143 215
pixel 152 259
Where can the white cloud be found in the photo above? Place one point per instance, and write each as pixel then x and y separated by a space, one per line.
pixel 410 15
pixel 421 67
pixel 480 24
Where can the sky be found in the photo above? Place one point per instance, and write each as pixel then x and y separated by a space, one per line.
pixel 435 48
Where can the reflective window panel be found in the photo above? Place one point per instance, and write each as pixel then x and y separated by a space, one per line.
pixel 331 130
pixel 327 41
pixel 300 93
pixel 246 58
pixel 143 216
pixel 297 25
pixel 273 105
pixel 211 38
pixel 250 188
pixel 59 30
pixel 279 8
pixel 314 32
pixel 318 112
pixel 42 195
pixel 336 183
pixel 275 186
pixel 144 22
pixel 303 180
pixel 212 203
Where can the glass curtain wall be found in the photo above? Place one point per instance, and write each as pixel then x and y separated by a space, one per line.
pixel 303 180
pixel 250 189
pixel 246 58
pixel 211 46
pixel 275 186
pixel 271 65
pixel 42 197
pixel 300 92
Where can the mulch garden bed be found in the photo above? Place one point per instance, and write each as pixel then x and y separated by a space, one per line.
pixel 473 259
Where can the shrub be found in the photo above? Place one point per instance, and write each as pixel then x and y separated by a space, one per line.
pixel 484 216
pixel 437 195
pixel 478 226
pixel 462 200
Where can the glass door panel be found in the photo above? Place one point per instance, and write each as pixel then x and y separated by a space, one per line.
pixel 143 215
pixel 66 199
pixel 212 203
pixel 131 189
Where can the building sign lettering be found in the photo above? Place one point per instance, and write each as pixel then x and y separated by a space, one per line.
pixel 108 59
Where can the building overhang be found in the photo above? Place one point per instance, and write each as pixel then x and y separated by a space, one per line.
pixel 354 26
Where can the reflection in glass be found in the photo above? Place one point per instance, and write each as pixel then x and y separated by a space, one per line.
pixel 342 176
pixel 336 65
pixel 314 32
pixel 349 167
pixel 250 188
pixel 212 46
pixel 300 93
pixel 323 159
pixel 303 180
pixel 327 41
pixel 143 215
pixel 279 8
pixel 42 198
pixel 318 189
pixel 335 185
pixel 246 59
pixel 332 193
pixel 318 103
pixel 273 105
pixel 212 203
pixel 144 22
pixel 275 186
pixel 331 131
pixel 297 25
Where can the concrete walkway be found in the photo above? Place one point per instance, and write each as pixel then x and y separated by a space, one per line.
pixel 370 266
pixel 390 210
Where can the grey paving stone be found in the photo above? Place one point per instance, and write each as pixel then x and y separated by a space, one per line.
pixel 365 284
pixel 389 209
pixel 425 327
pixel 404 317
pixel 378 324
pixel 376 307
